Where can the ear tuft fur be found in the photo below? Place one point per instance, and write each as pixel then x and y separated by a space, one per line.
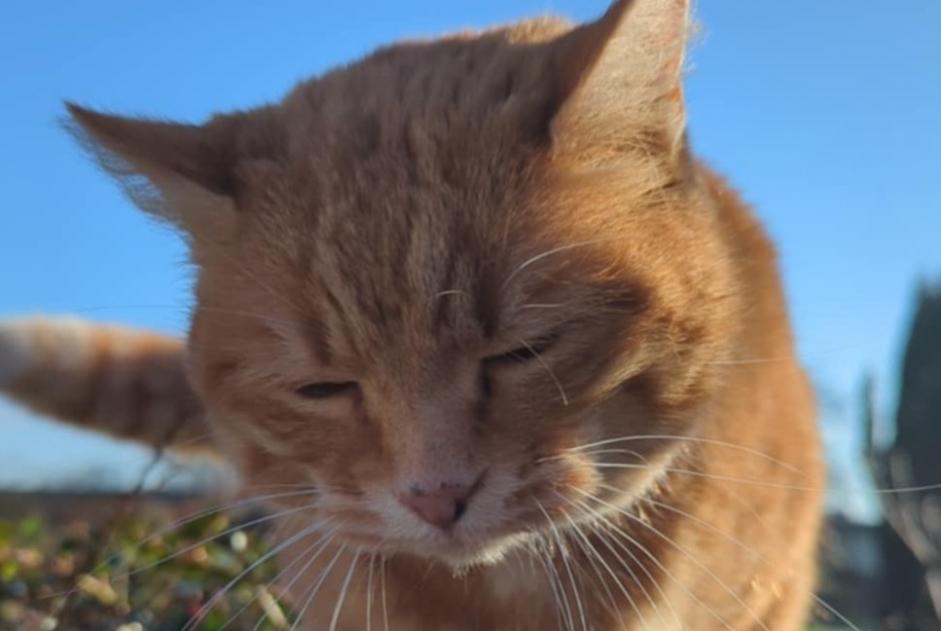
pixel 183 173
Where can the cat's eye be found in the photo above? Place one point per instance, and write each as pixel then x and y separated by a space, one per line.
pixel 325 390
pixel 524 353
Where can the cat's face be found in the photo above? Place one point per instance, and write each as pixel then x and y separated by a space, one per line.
pixel 435 292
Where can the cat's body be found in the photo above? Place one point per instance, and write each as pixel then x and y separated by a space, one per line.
pixel 535 359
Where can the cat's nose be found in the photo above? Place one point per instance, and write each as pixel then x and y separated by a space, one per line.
pixel 442 506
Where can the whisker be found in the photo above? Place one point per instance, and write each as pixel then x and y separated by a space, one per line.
pixel 690 439
pixel 609 602
pixel 548 553
pixel 184 309
pixel 270 583
pixel 758 555
pixel 313 591
pixel 207 607
pixel 605 538
pixel 186 519
pixel 450 292
pixel 180 523
pixel 536 553
pixel 177 307
pixel 385 608
pixel 372 561
pixel 338 608
pixel 597 452
pixel 620 532
pixel 564 554
pixel 228 531
pixel 749 362
pixel 692 518
pixel 820 601
pixel 752 512
pixel 323 543
pixel 563 610
pixel 589 551
pixel 552 252
pixel 774 485
pixel 702 566
pixel 548 368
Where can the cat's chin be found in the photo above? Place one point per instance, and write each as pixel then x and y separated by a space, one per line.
pixel 461 556
pixel 458 554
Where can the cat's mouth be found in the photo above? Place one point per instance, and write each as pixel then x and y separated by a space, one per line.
pixel 457 549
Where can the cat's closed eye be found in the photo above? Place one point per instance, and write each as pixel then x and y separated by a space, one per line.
pixel 326 390
pixel 524 353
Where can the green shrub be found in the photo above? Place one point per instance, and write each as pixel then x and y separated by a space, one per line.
pixel 124 578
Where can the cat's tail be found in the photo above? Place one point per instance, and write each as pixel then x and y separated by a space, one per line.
pixel 126 383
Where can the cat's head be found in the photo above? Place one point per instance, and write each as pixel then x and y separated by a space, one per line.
pixel 442 284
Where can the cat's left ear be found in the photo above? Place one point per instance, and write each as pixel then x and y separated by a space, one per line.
pixel 619 82
pixel 182 173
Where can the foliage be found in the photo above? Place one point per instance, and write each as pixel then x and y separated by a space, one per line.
pixel 124 577
pixel 139 574
pixel 911 538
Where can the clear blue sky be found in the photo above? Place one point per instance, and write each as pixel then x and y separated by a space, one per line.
pixel 827 115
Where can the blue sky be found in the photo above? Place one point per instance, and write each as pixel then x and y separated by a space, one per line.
pixel 827 115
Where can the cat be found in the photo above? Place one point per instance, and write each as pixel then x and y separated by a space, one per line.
pixel 528 357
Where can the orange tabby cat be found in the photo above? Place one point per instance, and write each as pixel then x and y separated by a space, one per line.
pixel 530 359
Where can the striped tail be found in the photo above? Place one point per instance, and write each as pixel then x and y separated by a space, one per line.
pixel 125 383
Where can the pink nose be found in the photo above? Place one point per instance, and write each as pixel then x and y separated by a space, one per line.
pixel 442 507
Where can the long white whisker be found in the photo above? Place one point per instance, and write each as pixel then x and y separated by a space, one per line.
pixel 228 531
pixel 607 567
pixel 567 612
pixel 186 519
pixel 313 591
pixel 385 608
pixel 372 561
pixel 702 566
pixel 589 551
pixel 207 607
pixel 633 557
pixel 551 252
pixel 582 543
pixel 337 610
pixel 324 543
pixel 708 476
pixel 277 577
pixel 689 439
pixel 643 549
pixel 820 601
pixel 564 553
pixel 693 519
pixel 741 545
pixel 595 452
pixel 537 554
pixel 773 485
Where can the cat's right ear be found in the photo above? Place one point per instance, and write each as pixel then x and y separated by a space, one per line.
pixel 182 173
pixel 618 83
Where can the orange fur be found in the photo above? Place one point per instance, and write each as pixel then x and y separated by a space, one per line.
pixel 395 228
pixel 129 384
